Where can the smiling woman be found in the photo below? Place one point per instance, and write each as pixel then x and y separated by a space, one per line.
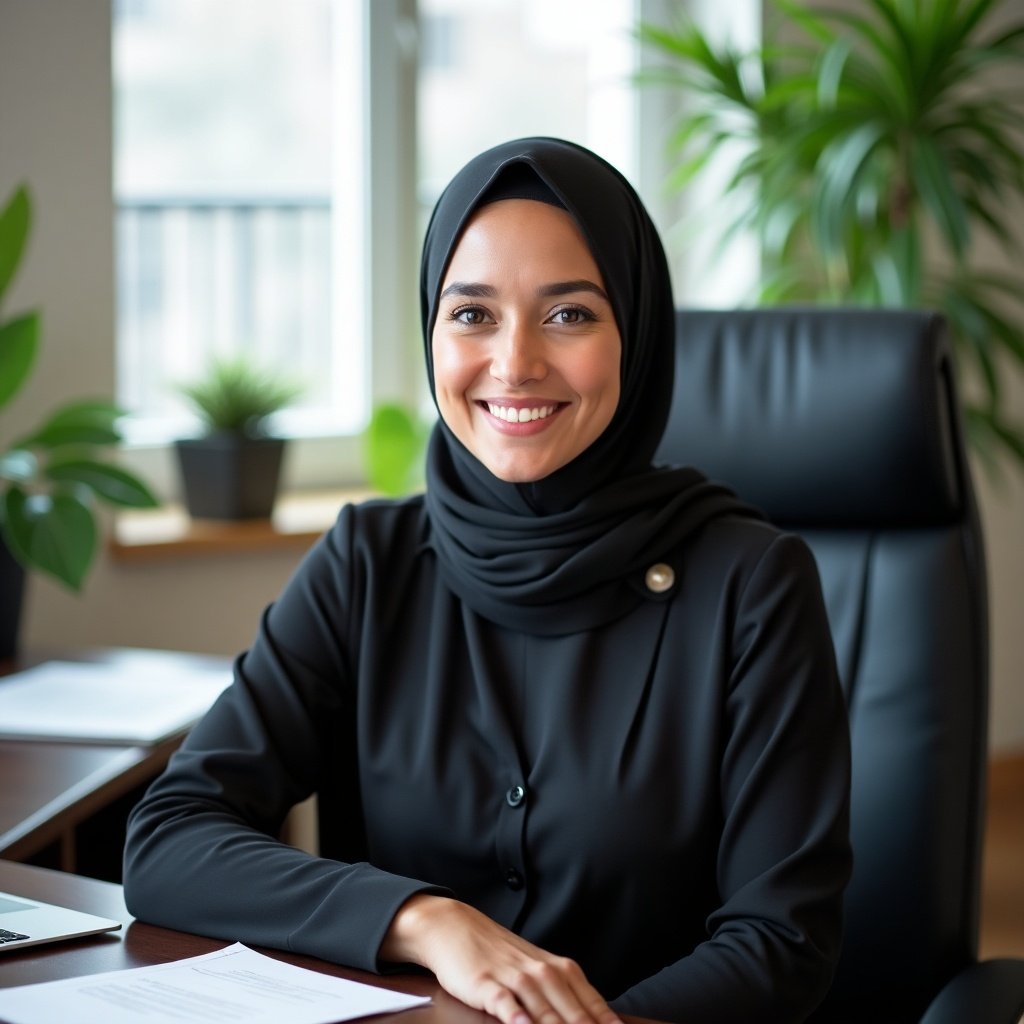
pixel 573 718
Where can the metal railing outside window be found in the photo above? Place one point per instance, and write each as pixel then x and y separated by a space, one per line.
pixel 214 276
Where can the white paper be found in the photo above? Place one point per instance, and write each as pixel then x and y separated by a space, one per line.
pixel 233 984
pixel 130 700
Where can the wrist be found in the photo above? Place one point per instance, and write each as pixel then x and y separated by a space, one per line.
pixel 406 938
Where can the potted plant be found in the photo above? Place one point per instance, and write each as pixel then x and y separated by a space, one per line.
pixel 51 477
pixel 878 140
pixel 232 471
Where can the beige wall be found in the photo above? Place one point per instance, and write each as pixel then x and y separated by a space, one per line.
pixel 55 132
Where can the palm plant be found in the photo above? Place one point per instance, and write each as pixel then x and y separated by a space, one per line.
pixel 879 142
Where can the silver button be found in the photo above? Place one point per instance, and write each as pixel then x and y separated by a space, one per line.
pixel 660 578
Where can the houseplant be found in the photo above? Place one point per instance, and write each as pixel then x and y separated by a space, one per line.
pixel 232 471
pixel 879 142
pixel 51 477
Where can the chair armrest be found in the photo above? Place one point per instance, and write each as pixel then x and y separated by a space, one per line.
pixel 990 992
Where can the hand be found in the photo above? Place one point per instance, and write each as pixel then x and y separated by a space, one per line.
pixel 490 968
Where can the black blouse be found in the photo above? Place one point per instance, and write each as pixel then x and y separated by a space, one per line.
pixel 664 799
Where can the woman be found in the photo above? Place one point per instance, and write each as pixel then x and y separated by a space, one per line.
pixel 574 720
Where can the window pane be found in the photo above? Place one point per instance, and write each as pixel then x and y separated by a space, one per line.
pixel 493 70
pixel 224 135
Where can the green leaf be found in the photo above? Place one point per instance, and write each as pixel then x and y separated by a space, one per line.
pixel 393 447
pixel 15 220
pixel 841 164
pixel 111 483
pixel 1011 437
pixel 19 342
pixel 830 73
pixel 939 194
pixel 237 396
pixel 18 465
pixel 79 423
pixel 54 534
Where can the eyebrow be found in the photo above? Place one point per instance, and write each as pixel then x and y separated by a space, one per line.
pixel 486 291
pixel 466 288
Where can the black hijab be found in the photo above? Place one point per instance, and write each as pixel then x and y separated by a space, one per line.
pixel 570 551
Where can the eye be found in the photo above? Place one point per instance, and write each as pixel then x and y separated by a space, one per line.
pixel 469 316
pixel 572 315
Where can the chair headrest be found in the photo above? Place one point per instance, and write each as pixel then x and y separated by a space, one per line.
pixel 821 417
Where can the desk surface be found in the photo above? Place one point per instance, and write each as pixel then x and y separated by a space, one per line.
pixel 141 945
pixel 49 788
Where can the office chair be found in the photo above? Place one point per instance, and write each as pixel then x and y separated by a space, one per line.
pixel 842 426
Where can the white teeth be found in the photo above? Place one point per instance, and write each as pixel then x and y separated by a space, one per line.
pixel 513 415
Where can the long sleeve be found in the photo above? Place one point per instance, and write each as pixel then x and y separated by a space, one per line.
pixel 202 853
pixel 783 856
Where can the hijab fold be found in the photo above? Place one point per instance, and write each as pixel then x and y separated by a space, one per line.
pixel 568 552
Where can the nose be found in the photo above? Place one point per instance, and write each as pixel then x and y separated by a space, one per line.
pixel 518 356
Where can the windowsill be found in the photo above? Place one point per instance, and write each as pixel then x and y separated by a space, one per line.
pixel 168 532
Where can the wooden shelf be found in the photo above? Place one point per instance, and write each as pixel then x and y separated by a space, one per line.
pixel 168 532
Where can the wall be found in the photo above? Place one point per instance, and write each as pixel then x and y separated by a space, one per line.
pixel 55 132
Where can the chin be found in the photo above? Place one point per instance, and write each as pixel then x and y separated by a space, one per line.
pixel 518 474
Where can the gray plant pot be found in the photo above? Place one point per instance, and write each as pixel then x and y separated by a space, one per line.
pixel 226 476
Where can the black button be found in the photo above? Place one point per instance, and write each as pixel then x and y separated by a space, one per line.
pixel 513 879
pixel 515 796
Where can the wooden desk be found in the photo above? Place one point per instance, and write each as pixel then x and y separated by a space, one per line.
pixel 141 945
pixel 55 796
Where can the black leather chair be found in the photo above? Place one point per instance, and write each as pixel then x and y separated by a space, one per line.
pixel 842 425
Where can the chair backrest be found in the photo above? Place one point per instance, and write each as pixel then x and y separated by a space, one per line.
pixel 842 426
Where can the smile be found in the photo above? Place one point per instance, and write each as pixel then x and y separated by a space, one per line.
pixel 511 414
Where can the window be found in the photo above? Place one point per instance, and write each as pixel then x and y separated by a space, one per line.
pixel 501 69
pixel 224 183
pixel 274 168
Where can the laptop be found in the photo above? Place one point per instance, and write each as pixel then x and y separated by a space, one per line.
pixel 25 922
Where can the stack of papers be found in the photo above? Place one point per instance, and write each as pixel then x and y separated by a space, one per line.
pixel 233 984
pixel 141 698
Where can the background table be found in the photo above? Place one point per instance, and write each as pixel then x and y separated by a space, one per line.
pixel 65 805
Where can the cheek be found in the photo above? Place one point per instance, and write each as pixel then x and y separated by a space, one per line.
pixel 597 376
pixel 455 369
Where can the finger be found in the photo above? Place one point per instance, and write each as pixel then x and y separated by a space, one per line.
pixel 592 1004
pixel 548 993
pixel 592 1001
pixel 499 1001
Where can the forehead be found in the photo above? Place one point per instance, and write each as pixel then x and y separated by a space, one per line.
pixel 524 235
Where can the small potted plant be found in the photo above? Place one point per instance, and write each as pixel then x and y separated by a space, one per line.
pixel 52 476
pixel 232 471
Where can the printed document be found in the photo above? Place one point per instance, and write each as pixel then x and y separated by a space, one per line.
pixel 232 984
pixel 137 699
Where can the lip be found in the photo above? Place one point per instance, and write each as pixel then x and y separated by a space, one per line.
pixel 525 428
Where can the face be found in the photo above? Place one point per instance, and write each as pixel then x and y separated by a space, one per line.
pixel 525 346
